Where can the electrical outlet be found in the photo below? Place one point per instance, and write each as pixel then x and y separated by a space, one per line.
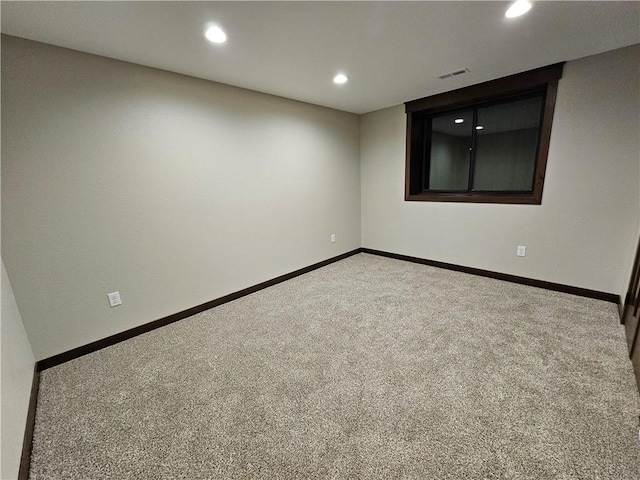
pixel 333 237
pixel 114 299
pixel 521 251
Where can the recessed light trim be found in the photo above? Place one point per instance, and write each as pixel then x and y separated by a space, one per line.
pixel 518 8
pixel 340 79
pixel 459 120
pixel 215 34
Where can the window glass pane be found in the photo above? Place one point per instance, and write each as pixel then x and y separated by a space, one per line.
pixel 506 145
pixel 450 151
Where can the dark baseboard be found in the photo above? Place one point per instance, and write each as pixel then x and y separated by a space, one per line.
pixel 147 327
pixel 558 287
pixel 25 459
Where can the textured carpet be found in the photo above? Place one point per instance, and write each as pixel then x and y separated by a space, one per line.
pixel 367 368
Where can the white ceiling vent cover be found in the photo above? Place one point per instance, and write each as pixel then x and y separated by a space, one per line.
pixel 453 74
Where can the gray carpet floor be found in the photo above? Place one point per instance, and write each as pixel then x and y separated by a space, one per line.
pixel 366 368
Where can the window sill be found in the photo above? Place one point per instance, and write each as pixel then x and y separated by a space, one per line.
pixel 518 199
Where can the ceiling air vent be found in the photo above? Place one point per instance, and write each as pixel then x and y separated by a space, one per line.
pixel 453 74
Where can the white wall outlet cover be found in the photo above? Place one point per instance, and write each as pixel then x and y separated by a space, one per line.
pixel 114 299
pixel 333 237
pixel 521 251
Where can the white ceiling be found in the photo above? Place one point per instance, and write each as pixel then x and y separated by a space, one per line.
pixel 391 51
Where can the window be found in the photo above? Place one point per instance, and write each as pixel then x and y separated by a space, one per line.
pixel 485 143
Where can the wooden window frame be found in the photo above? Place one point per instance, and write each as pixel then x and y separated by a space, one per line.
pixel 541 80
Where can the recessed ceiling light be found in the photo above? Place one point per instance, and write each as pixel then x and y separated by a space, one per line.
pixel 215 34
pixel 479 127
pixel 518 8
pixel 459 120
pixel 340 79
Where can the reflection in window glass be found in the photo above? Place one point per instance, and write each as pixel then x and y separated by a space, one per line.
pixel 450 151
pixel 506 145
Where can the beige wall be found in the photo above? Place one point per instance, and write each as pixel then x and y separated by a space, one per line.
pixel 175 190
pixel 17 376
pixel 172 190
pixel 584 232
